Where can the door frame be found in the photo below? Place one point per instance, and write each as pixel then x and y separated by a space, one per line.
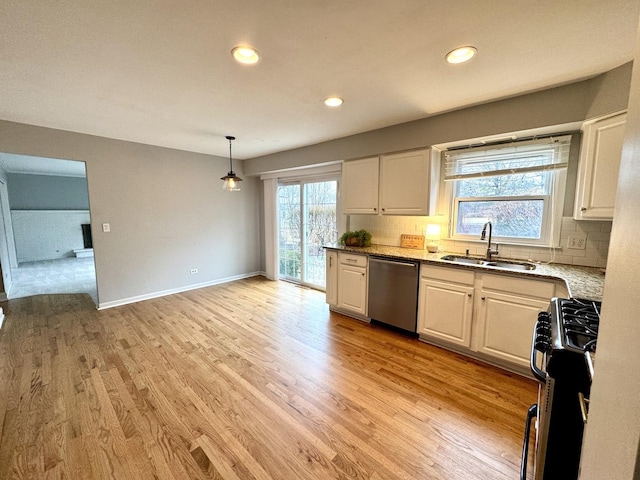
pixel 270 184
pixel 302 182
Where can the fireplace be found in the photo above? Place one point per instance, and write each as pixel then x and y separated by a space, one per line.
pixel 86 235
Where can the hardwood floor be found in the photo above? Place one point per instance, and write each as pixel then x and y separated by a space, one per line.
pixel 247 380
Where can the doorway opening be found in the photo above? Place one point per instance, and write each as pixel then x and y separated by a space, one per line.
pixel 307 220
pixel 44 213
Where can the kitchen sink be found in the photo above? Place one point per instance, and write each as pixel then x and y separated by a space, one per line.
pixel 512 265
pixel 508 264
pixel 466 260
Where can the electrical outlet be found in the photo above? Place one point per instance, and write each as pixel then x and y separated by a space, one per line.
pixel 577 243
pixel 106 228
pixel 194 270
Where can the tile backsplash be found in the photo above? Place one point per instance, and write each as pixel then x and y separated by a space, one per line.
pixel 386 230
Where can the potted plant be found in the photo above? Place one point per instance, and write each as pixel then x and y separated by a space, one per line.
pixel 359 238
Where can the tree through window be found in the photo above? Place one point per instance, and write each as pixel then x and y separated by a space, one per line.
pixel 512 186
pixel 307 221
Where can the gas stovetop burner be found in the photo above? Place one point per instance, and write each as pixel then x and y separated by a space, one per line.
pixel 580 319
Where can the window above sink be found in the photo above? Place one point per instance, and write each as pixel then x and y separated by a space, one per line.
pixel 518 186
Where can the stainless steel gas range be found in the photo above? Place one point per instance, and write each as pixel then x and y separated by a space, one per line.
pixel 562 352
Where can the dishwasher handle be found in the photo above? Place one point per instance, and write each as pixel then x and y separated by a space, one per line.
pixel 393 262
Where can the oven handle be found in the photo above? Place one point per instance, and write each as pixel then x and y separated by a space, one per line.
pixel 531 414
pixel 584 407
pixel 539 374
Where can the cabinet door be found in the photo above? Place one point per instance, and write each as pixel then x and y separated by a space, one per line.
pixel 505 326
pixel 599 168
pixel 445 311
pixel 360 186
pixel 332 277
pixel 352 289
pixel 404 183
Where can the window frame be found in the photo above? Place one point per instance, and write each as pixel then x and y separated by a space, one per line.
pixel 552 209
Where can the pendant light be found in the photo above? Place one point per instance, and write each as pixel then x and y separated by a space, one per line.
pixel 231 181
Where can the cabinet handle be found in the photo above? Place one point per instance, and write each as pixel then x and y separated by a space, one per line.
pixel 483 298
pixel 375 209
pixel 469 295
pixel 383 209
pixel 583 209
pixel 362 274
pixel 330 262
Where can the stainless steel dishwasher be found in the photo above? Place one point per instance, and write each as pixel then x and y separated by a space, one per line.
pixel 393 292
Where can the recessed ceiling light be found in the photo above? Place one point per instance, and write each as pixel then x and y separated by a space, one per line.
pixel 461 54
pixel 333 101
pixel 244 54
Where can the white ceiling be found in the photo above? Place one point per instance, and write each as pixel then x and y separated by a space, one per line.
pixel 160 72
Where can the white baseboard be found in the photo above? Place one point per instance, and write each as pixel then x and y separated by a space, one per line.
pixel 148 296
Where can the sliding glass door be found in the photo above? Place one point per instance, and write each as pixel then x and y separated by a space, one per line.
pixel 289 231
pixel 306 221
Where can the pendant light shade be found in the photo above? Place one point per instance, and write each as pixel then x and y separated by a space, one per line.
pixel 231 181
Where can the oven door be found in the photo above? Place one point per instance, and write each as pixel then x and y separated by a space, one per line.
pixel 539 412
pixel 545 394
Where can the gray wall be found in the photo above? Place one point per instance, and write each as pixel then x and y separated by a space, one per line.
pixel 47 192
pixel 168 213
pixel 612 436
pixel 606 93
pixel 167 210
pixel 576 102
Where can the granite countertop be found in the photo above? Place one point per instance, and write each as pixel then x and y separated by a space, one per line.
pixel 582 282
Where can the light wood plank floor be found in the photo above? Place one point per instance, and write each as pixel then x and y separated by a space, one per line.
pixel 248 380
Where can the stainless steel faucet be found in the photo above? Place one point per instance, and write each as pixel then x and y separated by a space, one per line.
pixel 484 237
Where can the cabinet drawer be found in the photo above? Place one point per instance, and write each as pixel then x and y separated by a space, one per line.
pixel 447 274
pixel 521 286
pixel 353 260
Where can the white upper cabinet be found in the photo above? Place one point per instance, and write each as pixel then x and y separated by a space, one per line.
pixel 599 167
pixel 397 184
pixel 404 183
pixel 360 186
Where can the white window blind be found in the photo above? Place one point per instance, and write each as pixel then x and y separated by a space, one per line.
pixel 517 157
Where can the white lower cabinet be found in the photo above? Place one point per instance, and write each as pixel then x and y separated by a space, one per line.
pixel 505 326
pixel 351 284
pixel 352 290
pixel 445 308
pixel 507 310
pixel 487 315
